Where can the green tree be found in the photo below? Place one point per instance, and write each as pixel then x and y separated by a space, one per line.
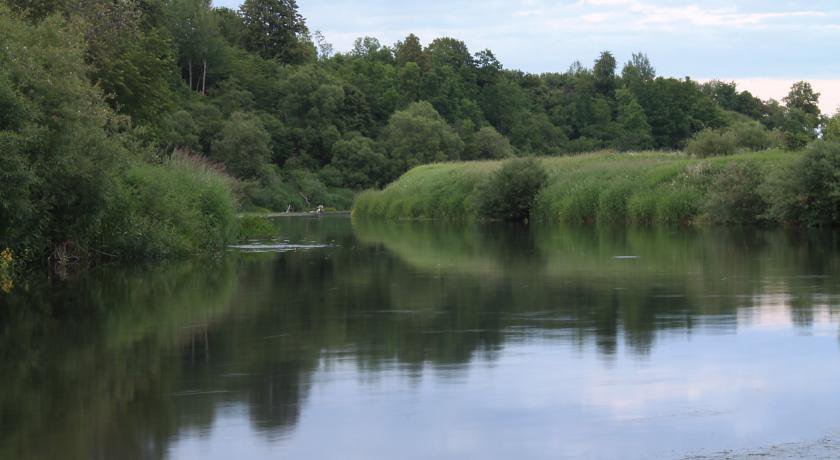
pixel 488 67
pixel 231 26
pixel 803 97
pixel 409 80
pixel 676 110
pixel 243 145
pixel 634 132
pixel 799 128
pixel 504 102
pixel 138 76
pixel 370 48
pixel 274 29
pixel 419 135
pixel 802 117
pixel 359 162
pixel 535 134
pixel 488 144
pixel 638 70
pixel 447 51
pixel 57 153
pixel 604 72
pixel 196 35
pixel 315 109
pixel 831 132
pixel 410 50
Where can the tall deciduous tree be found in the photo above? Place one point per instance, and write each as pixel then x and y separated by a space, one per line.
pixel 419 135
pixel 197 37
pixel 409 50
pixel 359 162
pixel 638 69
pixel 634 131
pixel 604 72
pixel 802 117
pixel 57 155
pixel 243 145
pixel 803 97
pixel 275 30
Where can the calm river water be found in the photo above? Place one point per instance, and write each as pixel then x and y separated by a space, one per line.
pixel 412 340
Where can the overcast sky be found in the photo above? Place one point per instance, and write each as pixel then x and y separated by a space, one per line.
pixel 764 45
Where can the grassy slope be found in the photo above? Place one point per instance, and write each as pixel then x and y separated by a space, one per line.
pixel 601 186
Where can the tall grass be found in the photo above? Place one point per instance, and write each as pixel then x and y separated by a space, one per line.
pixel 601 187
pixel 184 205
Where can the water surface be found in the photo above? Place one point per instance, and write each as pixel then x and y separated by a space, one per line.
pixel 423 340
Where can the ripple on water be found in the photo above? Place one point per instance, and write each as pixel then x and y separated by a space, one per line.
pixel 275 247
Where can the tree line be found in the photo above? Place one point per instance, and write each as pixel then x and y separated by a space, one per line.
pixel 298 123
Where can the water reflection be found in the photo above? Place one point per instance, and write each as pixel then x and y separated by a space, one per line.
pixel 414 339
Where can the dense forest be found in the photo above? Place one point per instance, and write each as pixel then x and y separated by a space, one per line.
pixel 138 127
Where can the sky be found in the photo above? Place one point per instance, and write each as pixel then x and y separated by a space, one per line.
pixel 763 45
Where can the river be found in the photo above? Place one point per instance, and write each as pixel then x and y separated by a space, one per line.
pixel 417 340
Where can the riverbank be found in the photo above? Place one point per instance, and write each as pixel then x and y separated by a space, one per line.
pixel 647 187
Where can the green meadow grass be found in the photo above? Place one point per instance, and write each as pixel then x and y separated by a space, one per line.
pixel 608 187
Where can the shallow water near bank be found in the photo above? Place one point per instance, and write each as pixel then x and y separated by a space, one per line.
pixel 342 339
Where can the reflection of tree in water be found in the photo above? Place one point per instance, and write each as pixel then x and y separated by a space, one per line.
pixel 83 366
pixel 144 356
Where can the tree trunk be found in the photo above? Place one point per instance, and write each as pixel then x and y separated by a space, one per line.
pixel 189 65
pixel 204 78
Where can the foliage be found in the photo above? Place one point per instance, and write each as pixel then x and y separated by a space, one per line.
pixel 275 29
pixel 605 187
pixel 712 142
pixel 831 131
pixel 509 193
pixel 752 136
pixel 57 150
pixel 419 135
pixel 634 130
pixel 183 205
pixel 242 145
pixel 734 197
pixel 359 162
pixel 808 192
pixel 488 144
pixel 94 93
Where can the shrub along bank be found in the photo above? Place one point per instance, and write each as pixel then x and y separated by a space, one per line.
pixel 606 187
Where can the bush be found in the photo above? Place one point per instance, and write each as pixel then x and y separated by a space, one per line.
pixel 510 192
pixel 184 205
pixel 808 193
pixel 712 142
pixel 734 196
pixel 753 136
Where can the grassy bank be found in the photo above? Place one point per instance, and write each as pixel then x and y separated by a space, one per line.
pixel 183 205
pixel 646 187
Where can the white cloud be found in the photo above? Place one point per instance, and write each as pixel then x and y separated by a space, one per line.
pixel 645 14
